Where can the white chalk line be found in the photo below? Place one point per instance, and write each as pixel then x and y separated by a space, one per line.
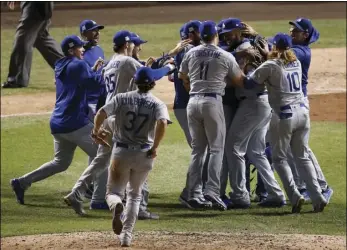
pixel 26 114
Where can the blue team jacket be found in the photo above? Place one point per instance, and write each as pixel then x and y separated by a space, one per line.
pixel 72 76
pixel 95 93
pixel 181 94
pixel 303 53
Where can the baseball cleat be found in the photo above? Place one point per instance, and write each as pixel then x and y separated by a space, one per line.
pixel 305 194
pixel 217 202
pixel 184 202
pixel 199 203
pixel 147 215
pixel 296 207
pixel 117 224
pixel 272 203
pixel 125 241
pixel 327 193
pixel 76 205
pixel 18 190
pixel 98 205
pixel 233 205
pixel 319 207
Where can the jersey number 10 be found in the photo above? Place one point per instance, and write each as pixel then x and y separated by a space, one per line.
pixel 294 82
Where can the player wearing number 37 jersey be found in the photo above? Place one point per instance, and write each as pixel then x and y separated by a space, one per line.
pixel 290 123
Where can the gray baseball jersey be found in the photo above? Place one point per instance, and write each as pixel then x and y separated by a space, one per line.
pixel 208 66
pixel 283 82
pixel 139 113
pixel 118 75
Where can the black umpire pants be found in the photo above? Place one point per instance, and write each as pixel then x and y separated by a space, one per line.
pixel 32 31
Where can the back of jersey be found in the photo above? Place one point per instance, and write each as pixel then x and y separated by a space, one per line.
pixel 118 75
pixel 136 115
pixel 208 65
pixel 284 84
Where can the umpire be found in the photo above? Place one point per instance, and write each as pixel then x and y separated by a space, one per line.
pixel 32 31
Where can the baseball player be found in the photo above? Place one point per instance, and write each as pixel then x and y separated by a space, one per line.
pixel 90 32
pixel 69 123
pixel 140 125
pixel 229 106
pixel 188 32
pixel 247 134
pixel 303 33
pixel 117 74
pixel 144 213
pixel 207 66
pixel 290 122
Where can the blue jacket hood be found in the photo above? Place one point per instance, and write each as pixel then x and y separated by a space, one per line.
pixel 314 36
pixel 61 64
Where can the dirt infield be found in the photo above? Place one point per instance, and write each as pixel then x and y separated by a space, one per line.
pixel 327 101
pixel 174 241
pixel 201 11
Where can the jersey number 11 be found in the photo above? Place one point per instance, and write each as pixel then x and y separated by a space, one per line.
pixel 203 70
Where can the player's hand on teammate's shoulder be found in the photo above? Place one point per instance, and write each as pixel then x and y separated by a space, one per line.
pixel 98 64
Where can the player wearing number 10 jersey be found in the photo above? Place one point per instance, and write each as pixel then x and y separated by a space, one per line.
pixel 290 123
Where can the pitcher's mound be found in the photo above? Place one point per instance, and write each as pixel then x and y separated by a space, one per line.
pixel 176 241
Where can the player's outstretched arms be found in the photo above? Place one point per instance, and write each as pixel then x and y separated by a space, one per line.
pixel 159 135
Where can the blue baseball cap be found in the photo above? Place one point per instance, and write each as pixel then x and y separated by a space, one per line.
pixel 192 26
pixel 220 25
pixel 303 24
pixel 183 34
pixel 70 42
pixel 87 25
pixel 137 39
pixel 208 28
pixel 145 75
pixel 282 41
pixel 230 24
pixel 121 37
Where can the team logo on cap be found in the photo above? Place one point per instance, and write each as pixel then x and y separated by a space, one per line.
pixel 298 20
pixel 93 22
pixel 71 45
pixel 83 28
pixel 127 38
pixel 191 29
pixel 223 26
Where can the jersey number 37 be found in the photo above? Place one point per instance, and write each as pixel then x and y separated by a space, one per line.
pixel 294 82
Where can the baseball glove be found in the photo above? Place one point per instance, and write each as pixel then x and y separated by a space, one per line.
pixel 162 61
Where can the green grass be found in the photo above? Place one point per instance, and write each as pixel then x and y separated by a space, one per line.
pixel 161 37
pixel 27 143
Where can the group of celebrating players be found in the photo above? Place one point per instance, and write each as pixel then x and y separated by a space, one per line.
pixel 240 100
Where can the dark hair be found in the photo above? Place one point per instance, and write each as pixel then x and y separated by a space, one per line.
pixel 144 88
pixel 208 39
pixel 117 48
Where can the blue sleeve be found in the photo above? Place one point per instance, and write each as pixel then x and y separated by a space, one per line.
pixel 85 75
pixel 300 54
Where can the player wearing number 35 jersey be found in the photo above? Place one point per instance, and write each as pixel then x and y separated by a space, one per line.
pixel 121 68
pixel 290 123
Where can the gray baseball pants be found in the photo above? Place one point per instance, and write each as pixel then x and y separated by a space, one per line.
pixel 207 127
pixel 294 131
pixel 247 135
pixel 64 149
